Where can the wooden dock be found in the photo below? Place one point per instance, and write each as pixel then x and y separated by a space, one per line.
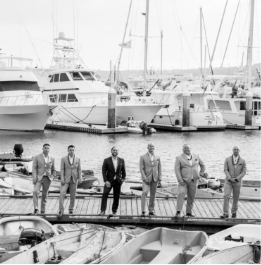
pixel 207 212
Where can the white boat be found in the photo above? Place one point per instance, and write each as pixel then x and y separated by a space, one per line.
pixel 22 105
pixel 161 246
pixel 81 96
pixel 20 233
pixel 74 247
pixel 235 255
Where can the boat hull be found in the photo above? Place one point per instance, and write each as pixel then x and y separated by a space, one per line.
pixel 24 118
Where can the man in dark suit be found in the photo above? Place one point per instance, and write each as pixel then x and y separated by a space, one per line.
pixel 114 173
pixel 235 170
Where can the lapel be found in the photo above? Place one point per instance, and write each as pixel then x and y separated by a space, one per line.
pixel 115 169
pixel 186 160
pixel 148 156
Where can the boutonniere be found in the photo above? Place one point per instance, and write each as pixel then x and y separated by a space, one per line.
pixel 196 159
pixel 240 164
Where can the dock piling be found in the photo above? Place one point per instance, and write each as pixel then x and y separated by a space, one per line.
pixel 186 107
pixel 248 111
pixel 111 108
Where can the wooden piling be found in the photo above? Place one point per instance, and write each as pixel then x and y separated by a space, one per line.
pixel 248 111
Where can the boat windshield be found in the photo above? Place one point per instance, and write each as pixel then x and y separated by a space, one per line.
pixel 7 86
pixel 76 76
pixel 87 76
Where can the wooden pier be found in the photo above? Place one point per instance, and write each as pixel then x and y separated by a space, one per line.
pixel 207 212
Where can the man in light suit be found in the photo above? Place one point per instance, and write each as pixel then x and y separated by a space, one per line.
pixel 235 170
pixel 187 173
pixel 150 169
pixel 43 174
pixel 114 174
pixel 71 174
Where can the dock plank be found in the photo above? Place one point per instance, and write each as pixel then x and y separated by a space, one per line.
pixel 8 205
pixel 79 206
pixel 96 206
pixel 90 207
pixel 84 209
pixel 128 207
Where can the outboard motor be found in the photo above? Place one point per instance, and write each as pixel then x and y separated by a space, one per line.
pixel 31 236
pixel 18 150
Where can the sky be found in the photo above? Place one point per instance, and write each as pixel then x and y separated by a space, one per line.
pixel 27 29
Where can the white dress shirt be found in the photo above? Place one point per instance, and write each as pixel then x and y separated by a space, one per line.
pixel 115 162
pixel 46 161
pixel 71 160
pixel 151 158
pixel 235 159
pixel 189 159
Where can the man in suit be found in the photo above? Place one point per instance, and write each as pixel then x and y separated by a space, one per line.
pixel 150 169
pixel 187 173
pixel 71 174
pixel 114 174
pixel 235 170
pixel 43 174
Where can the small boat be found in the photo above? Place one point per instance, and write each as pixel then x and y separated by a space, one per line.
pixel 161 246
pixel 73 247
pixel 236 235
pixel 20 233
pixel 240 254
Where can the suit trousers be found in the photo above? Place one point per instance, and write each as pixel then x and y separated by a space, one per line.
pixel 152 187
pixel 116 197
pixel 230 187
pixel 44 183
pixel 64 188
pixel 190 188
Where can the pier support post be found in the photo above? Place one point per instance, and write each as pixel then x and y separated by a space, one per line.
pixel 111 108
pixel 186 108
pixel 248 111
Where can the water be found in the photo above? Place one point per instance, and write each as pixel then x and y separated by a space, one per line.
pixel 213 148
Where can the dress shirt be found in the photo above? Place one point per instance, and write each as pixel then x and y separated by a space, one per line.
pixel 235 159
pixel 71 160
pixel 151 158
pixel 115 162
pixel 46 161
pixel 189 159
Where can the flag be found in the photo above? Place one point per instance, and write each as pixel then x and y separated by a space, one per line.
pixel 126 45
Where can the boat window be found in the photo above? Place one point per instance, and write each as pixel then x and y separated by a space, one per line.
pixel 56 78
pixel 72 98
pixel 64 77
pixel 62 97
pixel 242 105
pixel 76 76
pixel 87 76
pixel 53 98
pixel 51 80
pixel 18 86
pixel 192 105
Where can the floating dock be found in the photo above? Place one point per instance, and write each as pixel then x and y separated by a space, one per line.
pixel 242 127
pixel 207 212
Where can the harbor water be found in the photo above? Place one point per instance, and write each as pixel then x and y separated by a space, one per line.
pixel 213 148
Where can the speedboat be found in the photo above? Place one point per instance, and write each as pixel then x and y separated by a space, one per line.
pixel 20 233
pixel 22 105
pixel 161 246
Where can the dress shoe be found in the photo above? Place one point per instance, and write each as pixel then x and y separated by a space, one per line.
pixel 224 216
pixel 70 211
pixel 234 215
pixel 60 214
pixel 114 213
pixel 102 213
pixel 190 215
pixel 42 212
pixel 143 214
pixel 36 211
pixel 177 215
pixel 152 214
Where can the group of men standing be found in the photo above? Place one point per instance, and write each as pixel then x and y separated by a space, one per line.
pixel 189 167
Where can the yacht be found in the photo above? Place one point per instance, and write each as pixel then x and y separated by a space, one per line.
pixel 22 105
pixel 81 97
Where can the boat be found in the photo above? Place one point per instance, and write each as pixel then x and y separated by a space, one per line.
pixel 20 233
pixel 22 105
pixel 73 247
pixel 81 97
pixel 239 255
pixel 161 246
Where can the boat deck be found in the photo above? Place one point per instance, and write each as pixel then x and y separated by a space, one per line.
pixel 207 212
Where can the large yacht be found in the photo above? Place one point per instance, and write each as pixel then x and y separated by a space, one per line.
pixel 22 106
pixel 81 97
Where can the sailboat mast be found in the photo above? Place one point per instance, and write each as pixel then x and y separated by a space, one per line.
pixel 118 70
pixel 200 13
pixel 161 37
pixel 250 45
pixel 146 47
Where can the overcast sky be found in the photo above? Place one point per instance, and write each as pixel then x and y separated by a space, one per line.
pixel 26 29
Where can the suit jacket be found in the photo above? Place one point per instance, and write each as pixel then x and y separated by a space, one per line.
pixel 39 167
pixel 149 170
pixel 109 172
pixel 185 171
pixel 68 171
pixel 237 172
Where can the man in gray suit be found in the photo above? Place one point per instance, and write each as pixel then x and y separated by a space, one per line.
pixel 187 173
pixel 71 174
pixel 235 170
pixel 150 169
pixel 43 174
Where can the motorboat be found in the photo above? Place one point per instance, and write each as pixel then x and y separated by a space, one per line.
pixel 81 97
pixel 22 105
pixel 20 233
pixel 162 246
pixel 73 247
